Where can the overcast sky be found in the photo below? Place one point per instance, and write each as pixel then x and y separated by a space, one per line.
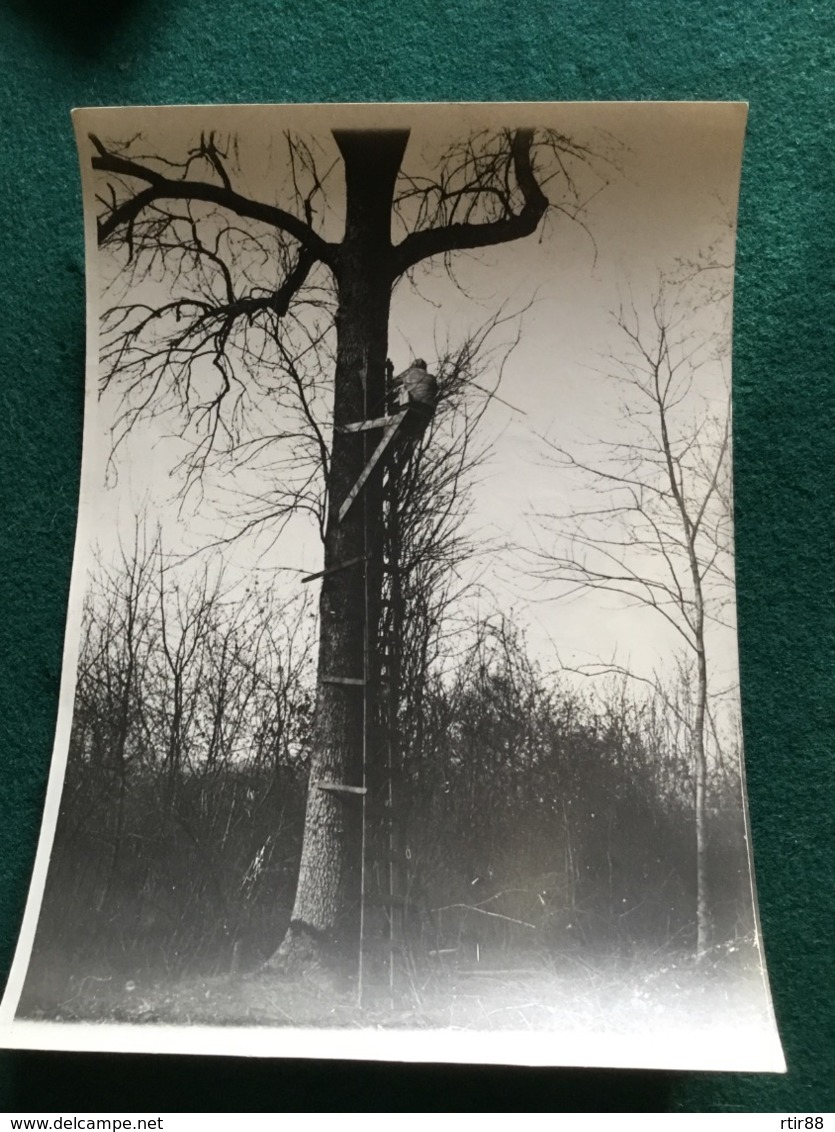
pixel 662 188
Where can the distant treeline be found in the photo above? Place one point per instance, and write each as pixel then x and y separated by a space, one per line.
pixel 536 816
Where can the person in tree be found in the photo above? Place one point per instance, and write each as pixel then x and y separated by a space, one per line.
pixel 416 389
pixel 416 385
pixel 488 190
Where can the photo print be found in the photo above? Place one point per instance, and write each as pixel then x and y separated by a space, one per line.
pixel 400 707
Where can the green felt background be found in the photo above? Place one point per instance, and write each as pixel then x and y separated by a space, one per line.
pixel 774 53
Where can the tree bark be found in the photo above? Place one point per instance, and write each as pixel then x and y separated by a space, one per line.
pixel 325 922
pixel 365 266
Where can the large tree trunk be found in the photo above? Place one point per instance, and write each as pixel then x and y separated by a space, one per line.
pixel 324 928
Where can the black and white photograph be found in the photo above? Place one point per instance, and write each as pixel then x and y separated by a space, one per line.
pixel 400 711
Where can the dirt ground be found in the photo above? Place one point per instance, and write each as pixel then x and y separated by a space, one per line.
pixel 610 994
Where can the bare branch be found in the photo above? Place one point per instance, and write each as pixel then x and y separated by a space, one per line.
pixel 462 235
pixel 166 188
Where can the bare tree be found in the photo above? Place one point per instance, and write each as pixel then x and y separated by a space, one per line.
pixel 117 637
pixel 657 529
pixel 258 298
pixel 185 617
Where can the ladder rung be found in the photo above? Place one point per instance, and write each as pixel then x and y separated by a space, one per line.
pixel 365 426
pixel 338 788
pixel 334 569
pixel 351 680
pixel 390 430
